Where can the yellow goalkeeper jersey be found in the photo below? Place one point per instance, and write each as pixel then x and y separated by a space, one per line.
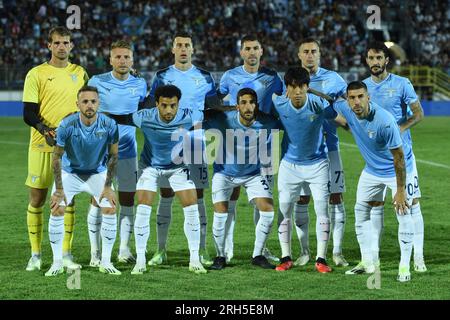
pixel 55 91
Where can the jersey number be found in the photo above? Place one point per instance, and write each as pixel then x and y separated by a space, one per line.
pixel 203 173
pixel 186 170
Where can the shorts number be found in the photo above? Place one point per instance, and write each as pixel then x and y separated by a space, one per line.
pixel 186 170
pixel 265 185
pixel 410 188
pixel 203 173
pixel 338 173
pixel 416 182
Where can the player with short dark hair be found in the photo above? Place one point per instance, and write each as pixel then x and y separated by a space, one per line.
pixel 120 93
pixel 265 82
pixel 198 93
pixel 332 85
pixel 84 160
pixel 49 94
pixel 396 94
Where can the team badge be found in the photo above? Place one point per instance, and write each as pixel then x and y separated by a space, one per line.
pixel 99 134
pixel 197 81
pixel 312 117
pixel 133 91
pixel 74 77
pixel 391 92
pixel 371 134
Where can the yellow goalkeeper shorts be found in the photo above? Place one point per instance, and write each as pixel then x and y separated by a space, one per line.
pixel 40 174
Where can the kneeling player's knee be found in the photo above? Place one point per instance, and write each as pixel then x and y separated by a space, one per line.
pixel 415 201
pixel 304 200
pixel 108 211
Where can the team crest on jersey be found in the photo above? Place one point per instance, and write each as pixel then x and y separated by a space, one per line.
pixel 324 84
pixel 133 91
pixel 371 134
pixel 74 77
pixel 391 92
pixel 34 178
pixel 197 80
pixel 99 134
pixel 313 117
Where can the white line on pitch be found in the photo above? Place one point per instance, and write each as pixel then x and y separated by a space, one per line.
pixel 17 143
pixel 431 163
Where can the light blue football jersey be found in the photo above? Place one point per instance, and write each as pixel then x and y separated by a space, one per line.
pixel 395 94
pixel 197 87
pixel 332 84
pixel 121 97
pixel 303 141
pixel 159 137
pixel 265 82
pixel 86 147
pixel 241 149
pixel 375 137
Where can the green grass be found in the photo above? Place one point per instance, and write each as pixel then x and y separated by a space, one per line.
pixel 240 280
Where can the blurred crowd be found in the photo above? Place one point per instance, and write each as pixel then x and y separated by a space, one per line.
pixel 217 26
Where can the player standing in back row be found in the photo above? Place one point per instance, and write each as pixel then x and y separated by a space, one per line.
pixel 331 84
pixel 265 82
pixel 396 94
pixel 198 92
pixel 49 94
pixel 120 93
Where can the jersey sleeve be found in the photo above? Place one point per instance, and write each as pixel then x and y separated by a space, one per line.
pixel 223 85
pixel 156 82
pixel 139 116
pixel 143 93
pixel 61 135
pixel 31 87
pixel 391 134
pixel 409 94
pixel 93 81
pixel 279 85
pixel 113 133
pixel 341 87
pixel 86 77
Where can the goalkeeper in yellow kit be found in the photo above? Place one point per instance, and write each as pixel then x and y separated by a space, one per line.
pixel 49 94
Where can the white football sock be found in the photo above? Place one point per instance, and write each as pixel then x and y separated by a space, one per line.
pixel 163 218
pixel 363 231
pixel 377 222
pixel 405 237
pixel 142 231
pixel 285 229
pixel 203 222
pixel 417 217
pixel 192 231
pixel 218 228
pixel 56 235
pixel 337 217
pixel 229 227
pixel 322 228
pixel 108 233
pixel 126 219
pixel 301 225
pixel 94 221
pixel 262 231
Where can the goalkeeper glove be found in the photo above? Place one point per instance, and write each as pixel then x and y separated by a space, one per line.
pixel 48 133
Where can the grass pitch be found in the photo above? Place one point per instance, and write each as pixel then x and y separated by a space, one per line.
pixel 240 280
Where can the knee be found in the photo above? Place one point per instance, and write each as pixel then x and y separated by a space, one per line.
pixel 221 207
pixel 37 199
pixel 335 198
pixel 199 193
pixel 304 200
pixel 415 201
pixel 376 203
pixel 266 206
pixel 142 198
pixel 126 199
pixel 108 211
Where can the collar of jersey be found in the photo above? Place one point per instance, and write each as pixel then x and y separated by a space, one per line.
pixel 301 108
pixel 88 128
pixel 380 83
pixel 251 74
pixel 119 81
pixel 190 69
